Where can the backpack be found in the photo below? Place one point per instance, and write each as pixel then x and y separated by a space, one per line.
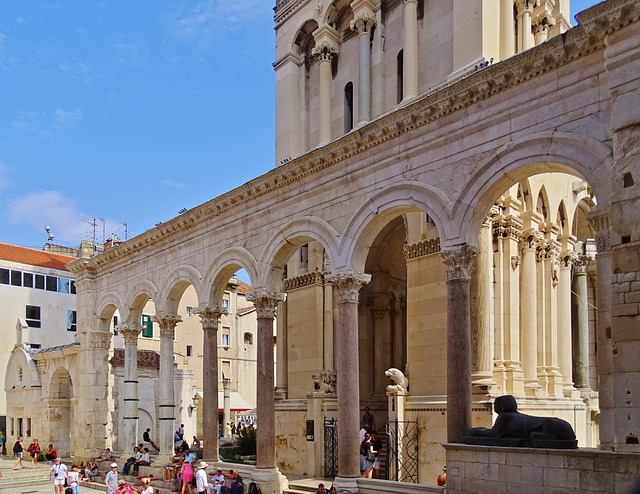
pixel 254 489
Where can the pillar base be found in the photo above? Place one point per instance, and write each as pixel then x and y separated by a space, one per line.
pixel 533 389
pixel 346 485
pixel 270 480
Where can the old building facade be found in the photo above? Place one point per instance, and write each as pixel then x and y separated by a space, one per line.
pixel 471 223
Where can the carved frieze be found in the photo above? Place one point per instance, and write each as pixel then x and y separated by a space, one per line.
pixel 308 279
pixel 422 248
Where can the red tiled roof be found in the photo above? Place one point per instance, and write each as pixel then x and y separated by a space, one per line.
pixel 243 287
pixel 34 257
pixel 243 310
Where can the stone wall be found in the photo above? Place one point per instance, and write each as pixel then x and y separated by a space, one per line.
pixel 540 471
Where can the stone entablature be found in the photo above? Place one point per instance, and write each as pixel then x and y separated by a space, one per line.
pixel 314 278
pixel 423 248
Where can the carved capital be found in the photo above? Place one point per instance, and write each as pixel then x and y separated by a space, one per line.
pixel 130 333
pixel 600 223
pixel 327 43
pixel 210 316
pixel 507 227
pixel 580 264
pixel 363 23
pixel 460 261
pixel 515 262
pixel 348 285
pixel 167 323
pixel 98 340
pixel 566 258
pixel 265 301
pixel 379 311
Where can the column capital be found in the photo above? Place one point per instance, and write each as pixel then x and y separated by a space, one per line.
pixel 364 17
pixel 348 285
pixel 525 6
pixel 130 333
pixel 566 258
pixel 265 301
pixel 327 43
pixel 580 263
pixel 460 261
pixel 531 239
pixel 210 316
pixel 379 311
pixel 167 323
pixel 542 24
pixel 98 340
pixel 600 223
pixel 405 2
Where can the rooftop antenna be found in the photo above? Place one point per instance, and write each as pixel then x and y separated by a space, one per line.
pixel 126 231
pixel 49 234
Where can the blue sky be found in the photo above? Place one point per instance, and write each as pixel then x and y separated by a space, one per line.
pixel 129 111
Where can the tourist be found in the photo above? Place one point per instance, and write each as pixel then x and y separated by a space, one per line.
pixel 137 455
pixel 195 443
pixel 146 484
pixel 2 442
pixel 111 479
pixel 237 487
pixel 187 476
pixel 18 451
pixel 91 470
pixel 218 481
pixel 123 488
pixel 180 432
pixel 368 420
pixel 377 446
pixel 442 478
pixel 50 454
pixel 146 437
pixel 366 450
pixel 321 489
pixel 144 461
pixel 73 479
pixel 34 451
pixel 202 485
pixel 106 456
pixel 58 474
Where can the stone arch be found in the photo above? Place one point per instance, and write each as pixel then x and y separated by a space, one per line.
pixel 138 296
pixel 542 203
pixel 303 39
pixel 289 238
pixel 385 206
pixel 549 151
pixel 223 267
pixel 562 218
pixel 524 195
pixel 59 404
pixel 174 286
pixel 339 14
pixel 107 305
pixel 21 370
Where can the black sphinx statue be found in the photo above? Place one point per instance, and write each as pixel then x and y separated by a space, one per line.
pixel 515 429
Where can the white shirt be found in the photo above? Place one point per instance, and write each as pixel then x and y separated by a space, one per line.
pixel 201 480
pixel 74 477
pixel 148 490
pixel 218 479
pixel 59 471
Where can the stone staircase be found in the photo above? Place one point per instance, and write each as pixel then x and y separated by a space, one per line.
pixel 13 479
pixel 304 486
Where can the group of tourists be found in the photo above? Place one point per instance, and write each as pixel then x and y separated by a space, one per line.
pixel 34 451
pixel 370 447
pixel 115 486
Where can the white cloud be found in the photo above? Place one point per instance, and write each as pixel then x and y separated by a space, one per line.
pixel 6 60
pixel 38 209
pixel 131 52
pixel 64 117
pixel 201 22
pixel 170 183
pixel 77 70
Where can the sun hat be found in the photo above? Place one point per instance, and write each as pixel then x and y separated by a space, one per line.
pixel 202 465
pixel 114 465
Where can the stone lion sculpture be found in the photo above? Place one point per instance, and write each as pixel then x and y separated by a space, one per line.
pixel 401 382
pixel 513 428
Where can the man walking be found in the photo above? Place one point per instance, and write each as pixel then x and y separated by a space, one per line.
pixel 202 486
pixel 58 474
pixel 111 479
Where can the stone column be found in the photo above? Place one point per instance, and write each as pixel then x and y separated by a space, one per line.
pixel 484 339
pixel 129 436
pixel 600 223
pixel 382 349
pixel 210 317
pixel 528 313
pixel 226 415
pixel 410 50
pixel 460 261
pixel 265 301
pixel 347 285
pixel 327 47
pixel 288 126
pixel 282 377
pixel 328 339
pixel 507 30
pixel 564 313
pixel 525 36
pixel 167 323
pixel 363 23
pixel 580 323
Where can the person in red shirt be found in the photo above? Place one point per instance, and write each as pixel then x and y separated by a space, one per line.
pixel 442 478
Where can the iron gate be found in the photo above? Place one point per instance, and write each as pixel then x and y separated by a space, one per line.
pixel 402 447
pixel 330 447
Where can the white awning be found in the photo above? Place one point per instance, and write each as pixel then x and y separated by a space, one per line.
pixel 238 403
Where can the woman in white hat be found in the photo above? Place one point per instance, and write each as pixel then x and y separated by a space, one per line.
pixel 202 485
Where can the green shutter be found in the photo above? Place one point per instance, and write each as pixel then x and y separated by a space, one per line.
pixel 147 326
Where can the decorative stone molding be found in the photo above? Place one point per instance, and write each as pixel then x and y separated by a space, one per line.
pixel 400 384
pixel 422 248
pixel 327 43
pixel 606 17
pixel 507 227
pixel 130 333
pixel 600 223
pixel 542 24
pixel 566 258
pixel 167 323
pixel 314 278
pixel 515 262
pixel 460 261
pixel 580 263
pixel 364 17
pixel 379 311
pixel 266 301
pixel 288 58
pixel 98 340
pixel 325 381
pixel 210 316
pixel 531 239
pixel 348 285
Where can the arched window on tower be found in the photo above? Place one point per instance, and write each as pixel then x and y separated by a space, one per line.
pixel 348 107
pixel 541 206
pixel 400 78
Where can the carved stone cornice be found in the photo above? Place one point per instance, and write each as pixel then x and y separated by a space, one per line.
pixel 167 323
pixel 290 57
pixel 424 110
pixel 422 248
pixel 265 301
pixel 210 316
pixel 460 261
pixel 98 340
pixel 285 8
pixel 507 227
pixel 606 17
pixel 313 278
pixel 130 333
pixel 348 285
